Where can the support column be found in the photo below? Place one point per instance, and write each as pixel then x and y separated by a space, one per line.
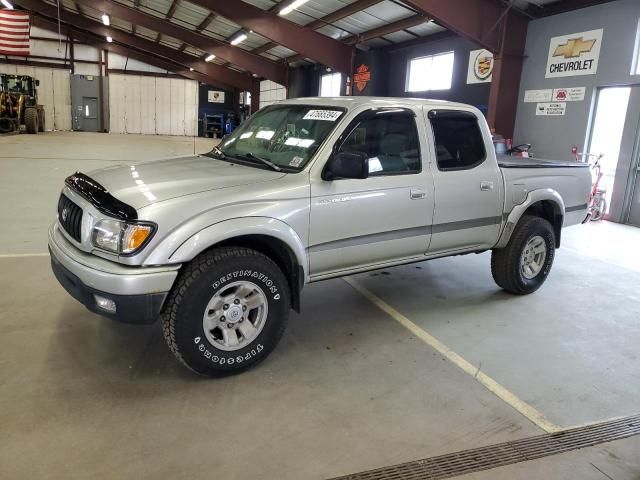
pixel 507 69
pixel 255 96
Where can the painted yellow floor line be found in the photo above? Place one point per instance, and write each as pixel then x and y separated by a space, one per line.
pixel 494 387
pixel 23 255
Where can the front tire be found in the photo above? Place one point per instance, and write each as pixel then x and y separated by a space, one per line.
pixel 227 311
pixel 524 264
pixel 31 120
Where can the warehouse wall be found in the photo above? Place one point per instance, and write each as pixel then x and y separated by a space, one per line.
pixel 54 93
pixel 399 56
pixel 619 20
pixel 152 105
pixel 166 106
pixel 271 92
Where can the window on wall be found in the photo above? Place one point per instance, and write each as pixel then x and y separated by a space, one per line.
pixel 330 85
pixel 433 72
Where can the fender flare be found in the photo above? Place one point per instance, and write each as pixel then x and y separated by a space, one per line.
pixel 228 229
pixel 533 197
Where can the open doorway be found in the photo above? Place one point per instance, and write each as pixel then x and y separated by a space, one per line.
pixel 606 134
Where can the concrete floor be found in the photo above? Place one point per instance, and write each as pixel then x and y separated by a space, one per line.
pixel 348 389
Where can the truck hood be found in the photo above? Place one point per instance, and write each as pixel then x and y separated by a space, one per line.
pixel 151 182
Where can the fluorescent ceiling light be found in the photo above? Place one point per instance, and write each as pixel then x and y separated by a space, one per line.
pixel 106 20
pixel 241 37
pixel 191 69
pixel 109 39
pixel 7 4
pixel 291 7
pixel 210 57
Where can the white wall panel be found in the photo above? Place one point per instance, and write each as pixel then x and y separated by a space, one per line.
pixel 191 108
pixel 271 92
pixel 148 105
pixel 132 117
pixel 177 100
pixel 117 102
pixel 163 109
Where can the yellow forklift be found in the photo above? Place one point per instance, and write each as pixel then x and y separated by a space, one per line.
pixel 19 104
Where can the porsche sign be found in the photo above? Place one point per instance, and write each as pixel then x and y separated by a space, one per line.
pixel 575 54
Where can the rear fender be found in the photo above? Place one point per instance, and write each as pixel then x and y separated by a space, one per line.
pixel 533 197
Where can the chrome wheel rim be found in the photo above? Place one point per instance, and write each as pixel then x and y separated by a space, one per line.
pixel 235 316
pixel 533 257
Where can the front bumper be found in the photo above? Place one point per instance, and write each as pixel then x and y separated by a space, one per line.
pixel 138 293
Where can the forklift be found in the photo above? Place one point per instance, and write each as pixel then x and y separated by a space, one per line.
pixel 19 104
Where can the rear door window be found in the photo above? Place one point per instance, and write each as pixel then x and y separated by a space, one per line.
pixel 458 140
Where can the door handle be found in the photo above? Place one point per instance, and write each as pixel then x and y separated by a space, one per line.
pixel 418 194
pixel 486 186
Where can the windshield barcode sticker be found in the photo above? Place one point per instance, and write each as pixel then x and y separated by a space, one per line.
pixel 327 115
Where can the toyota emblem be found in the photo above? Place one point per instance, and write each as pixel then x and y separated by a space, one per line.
pixel 64 214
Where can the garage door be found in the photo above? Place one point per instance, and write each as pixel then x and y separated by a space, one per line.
pixel 152 105
pixel 54 93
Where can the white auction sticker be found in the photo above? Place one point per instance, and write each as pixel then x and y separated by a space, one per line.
pixel 535 96
pixel 551 109
pixel 327 115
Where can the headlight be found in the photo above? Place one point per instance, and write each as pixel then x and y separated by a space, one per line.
pixel 122 238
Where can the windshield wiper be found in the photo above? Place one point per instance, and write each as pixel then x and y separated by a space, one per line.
pixel 264 161
pixel 219 152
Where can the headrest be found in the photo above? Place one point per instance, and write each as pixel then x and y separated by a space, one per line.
pixel 394 143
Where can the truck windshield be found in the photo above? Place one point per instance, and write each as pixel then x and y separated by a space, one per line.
pixel 285 135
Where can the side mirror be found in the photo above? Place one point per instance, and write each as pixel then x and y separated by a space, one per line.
pixel 346 165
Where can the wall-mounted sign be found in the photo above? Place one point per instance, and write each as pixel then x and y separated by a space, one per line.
pixel 480 67
pixel 214 96
pixel 535 96
pixel 574 94
pixel 575 54
pixel 551 108
pixel 362 77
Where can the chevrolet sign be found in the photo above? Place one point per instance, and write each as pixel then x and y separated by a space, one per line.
pixel 575 54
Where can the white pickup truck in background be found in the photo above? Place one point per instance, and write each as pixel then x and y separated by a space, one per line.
pixel 220 245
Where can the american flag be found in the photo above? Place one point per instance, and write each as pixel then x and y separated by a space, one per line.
pixel 14 32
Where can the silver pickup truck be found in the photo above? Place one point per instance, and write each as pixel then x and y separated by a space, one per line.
pixel 219 246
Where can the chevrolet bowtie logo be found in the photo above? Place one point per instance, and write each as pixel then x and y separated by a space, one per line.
pixel 574 48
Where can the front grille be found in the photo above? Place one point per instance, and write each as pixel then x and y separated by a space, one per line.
pixel 70 217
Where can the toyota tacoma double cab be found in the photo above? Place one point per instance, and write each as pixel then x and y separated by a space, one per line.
pixel 219 246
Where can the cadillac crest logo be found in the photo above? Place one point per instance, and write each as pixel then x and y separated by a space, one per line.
pixel 483 65
pixel 362 77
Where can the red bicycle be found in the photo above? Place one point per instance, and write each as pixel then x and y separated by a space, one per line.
pixel 597 196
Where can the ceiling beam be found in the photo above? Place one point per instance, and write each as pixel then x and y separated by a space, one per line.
pixel 386 29
pixel 321 48
pixel 373 33
pixel 339 14
pixel 206 22
pixel 555 8
pixel 476 20
pixel 172 9
pixel 215 72
pixel 237 56
pixel 89 39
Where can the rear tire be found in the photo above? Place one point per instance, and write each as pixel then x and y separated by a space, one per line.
pixel 524 264
pixel 41 120
pixel 6 125
pixel 31 120
pixel 227 311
